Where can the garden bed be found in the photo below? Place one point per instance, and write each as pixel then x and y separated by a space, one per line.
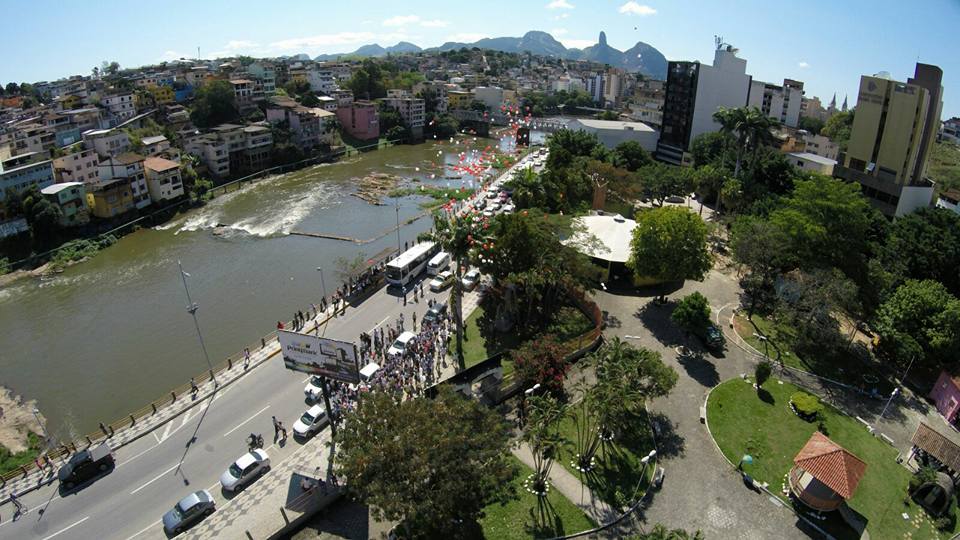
pixel 514 520
pixel 743 421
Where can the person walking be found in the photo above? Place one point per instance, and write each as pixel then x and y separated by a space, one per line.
pixel 246 357
pixel 414 321
pixel 276 428
pixel 193 387
pixel 20 508
pixel 283 431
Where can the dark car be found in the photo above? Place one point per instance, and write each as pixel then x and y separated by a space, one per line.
pixel 435 313
pixel 188 511
pixel 86 465
pixel 714 339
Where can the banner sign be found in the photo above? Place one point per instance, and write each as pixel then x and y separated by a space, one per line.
pixel 319 356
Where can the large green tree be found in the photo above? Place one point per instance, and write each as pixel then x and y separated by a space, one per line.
pixel 692 313
pixel 838 128
pixel 926 245
pixel 749 127
pixel 762 247
pixel 669 244
pixel 215 104
pixel 920 321
pixel 630 155
pixel 431 464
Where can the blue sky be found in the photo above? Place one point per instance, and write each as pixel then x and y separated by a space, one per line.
pixel 826 44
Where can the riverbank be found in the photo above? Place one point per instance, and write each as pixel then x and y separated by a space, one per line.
pixel 18 430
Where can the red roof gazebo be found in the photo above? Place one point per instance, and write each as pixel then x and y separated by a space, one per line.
pixel 825 474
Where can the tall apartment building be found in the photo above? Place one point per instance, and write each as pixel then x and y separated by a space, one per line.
pixel 781 103
pixel 128 166
pixel 411 109
pixel 79 166
pixel 895 126
pixel 694 92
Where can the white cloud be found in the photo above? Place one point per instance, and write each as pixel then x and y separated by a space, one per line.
pixel 803 65
pixel 633 8
pixel 436 23
pixel 558 32
pixel 169 56
pixel 559 4
pixel 240 44
pixel 561 16
pixel 466 37
pixel 402 20
pixel 577 43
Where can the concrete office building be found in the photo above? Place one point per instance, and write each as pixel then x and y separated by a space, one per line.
pixel 781 103
pixel 613 132
pixel 694 92
pixel 895 126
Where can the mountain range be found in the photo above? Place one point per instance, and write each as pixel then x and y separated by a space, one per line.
pixel 642 57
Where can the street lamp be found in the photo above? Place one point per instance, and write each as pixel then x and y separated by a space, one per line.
pixel 323 283
pixel 523 401
pixel 747 458
pixel 192 308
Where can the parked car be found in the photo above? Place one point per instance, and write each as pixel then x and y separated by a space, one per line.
pixel 470 280
pixel 249 466
pixel 400 345
pixel 442 281
pixel 310 422
pixel 713 337
pixel 435 313
pixel 508 208
pixel 86 465
pixel 313 389
pixel 189 511
pixel 494 206
pixel 492 194
pixel 488 213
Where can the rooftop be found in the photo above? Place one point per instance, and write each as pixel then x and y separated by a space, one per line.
pixel 147 141
pixel 937 445
pixel 613 234
pixel 57 188
pixel 814 158
pixel 159 164
pixel 615 124
pixel 127 158
pixel 831 464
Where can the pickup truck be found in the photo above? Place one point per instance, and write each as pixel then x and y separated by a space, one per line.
pixel 85 465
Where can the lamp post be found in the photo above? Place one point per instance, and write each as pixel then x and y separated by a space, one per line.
pixel 192 308
pixel 763 339
pixel 896 391
pixel 747 458
pixel 523 402
pixel 646 459
pixel 322 282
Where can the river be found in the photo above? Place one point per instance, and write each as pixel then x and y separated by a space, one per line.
pixel 110 335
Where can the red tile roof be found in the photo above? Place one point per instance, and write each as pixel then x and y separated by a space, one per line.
pixel 831 464
pixel 937 445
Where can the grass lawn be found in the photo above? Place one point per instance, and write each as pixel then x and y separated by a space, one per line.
pixel 10 461
pixel 768 430
pixel 617 471
pixel 846 369
pixel 481 341
pixel 515 520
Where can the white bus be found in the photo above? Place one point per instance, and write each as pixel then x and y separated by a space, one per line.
pixel 438 263
pixel 410 263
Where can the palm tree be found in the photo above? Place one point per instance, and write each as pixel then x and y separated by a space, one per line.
pixel 454 233
pixel 542 434
pixel 659 532
pixel 749 126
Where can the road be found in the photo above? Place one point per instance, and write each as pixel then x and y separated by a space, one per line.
pixel 192 450
pixel 149 477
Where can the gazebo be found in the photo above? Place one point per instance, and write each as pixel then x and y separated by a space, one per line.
pixel 824 474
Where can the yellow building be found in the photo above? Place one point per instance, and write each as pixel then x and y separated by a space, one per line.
pixel 163 94
pixel 110 198
pixel 893 130
pixel 459 99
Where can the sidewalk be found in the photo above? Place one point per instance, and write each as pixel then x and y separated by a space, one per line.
pixel 143 426
pixel 572 488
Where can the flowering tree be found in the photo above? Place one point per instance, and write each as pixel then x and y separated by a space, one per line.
pixel 541 361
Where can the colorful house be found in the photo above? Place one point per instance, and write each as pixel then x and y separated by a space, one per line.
pixel 110 198
pixel 71 197
pixel 946 395
pixel 824 474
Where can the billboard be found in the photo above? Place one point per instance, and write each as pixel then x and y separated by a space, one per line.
pixel 319 356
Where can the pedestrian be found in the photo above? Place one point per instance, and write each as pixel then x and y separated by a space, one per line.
pixel 193 387
pixel 279 325
pixel 283 431
pixel 276 428
pixel 414 321
pixel 21 509
pixel 246 357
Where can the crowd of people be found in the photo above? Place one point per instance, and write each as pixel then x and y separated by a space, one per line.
pixel 403 375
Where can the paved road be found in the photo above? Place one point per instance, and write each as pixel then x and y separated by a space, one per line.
pixel 700 491
pixel 147 481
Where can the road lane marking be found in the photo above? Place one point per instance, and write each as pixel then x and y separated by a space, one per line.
pixel 155 478
pixel 247 420
pixel 154 433
pixel 186 417
pixel 379 323
pixel 145 529
pixel 166 431
pixel 121 464
pixel 65 529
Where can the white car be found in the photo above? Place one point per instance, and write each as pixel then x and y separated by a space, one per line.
pixel 493 207
pixel 313 389
pixel 251 465
pixel 470 280
pixel 441 281
pixel 493 194
pixel 400 345
pixel 488 213
pixel 508 208
pixel 310 422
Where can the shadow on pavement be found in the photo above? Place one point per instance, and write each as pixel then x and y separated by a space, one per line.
pixel 656 318
pixel 699 368
pixel 343 519
pixel 669 442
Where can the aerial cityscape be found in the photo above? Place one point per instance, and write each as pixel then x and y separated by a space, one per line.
pixel 638 270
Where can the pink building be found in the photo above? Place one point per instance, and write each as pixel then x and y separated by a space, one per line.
pixel 946 396
pixel 360 120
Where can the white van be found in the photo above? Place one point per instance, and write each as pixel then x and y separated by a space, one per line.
pixel 438 263
pixel 400 345
pixel 368 371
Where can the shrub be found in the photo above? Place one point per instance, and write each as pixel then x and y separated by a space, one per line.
pixel 4 266
pixel 569 322
pixel 692 313
pixel 807 406
pixel 762 372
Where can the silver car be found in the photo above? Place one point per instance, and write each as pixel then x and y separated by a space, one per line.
pixel 249 466
pixel 190 510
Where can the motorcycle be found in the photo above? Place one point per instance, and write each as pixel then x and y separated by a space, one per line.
pixel 255 441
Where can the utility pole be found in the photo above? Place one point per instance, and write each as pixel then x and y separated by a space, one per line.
pixel 322 283
pixel 192 308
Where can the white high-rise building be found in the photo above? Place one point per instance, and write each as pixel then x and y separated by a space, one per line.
pixel 781 103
